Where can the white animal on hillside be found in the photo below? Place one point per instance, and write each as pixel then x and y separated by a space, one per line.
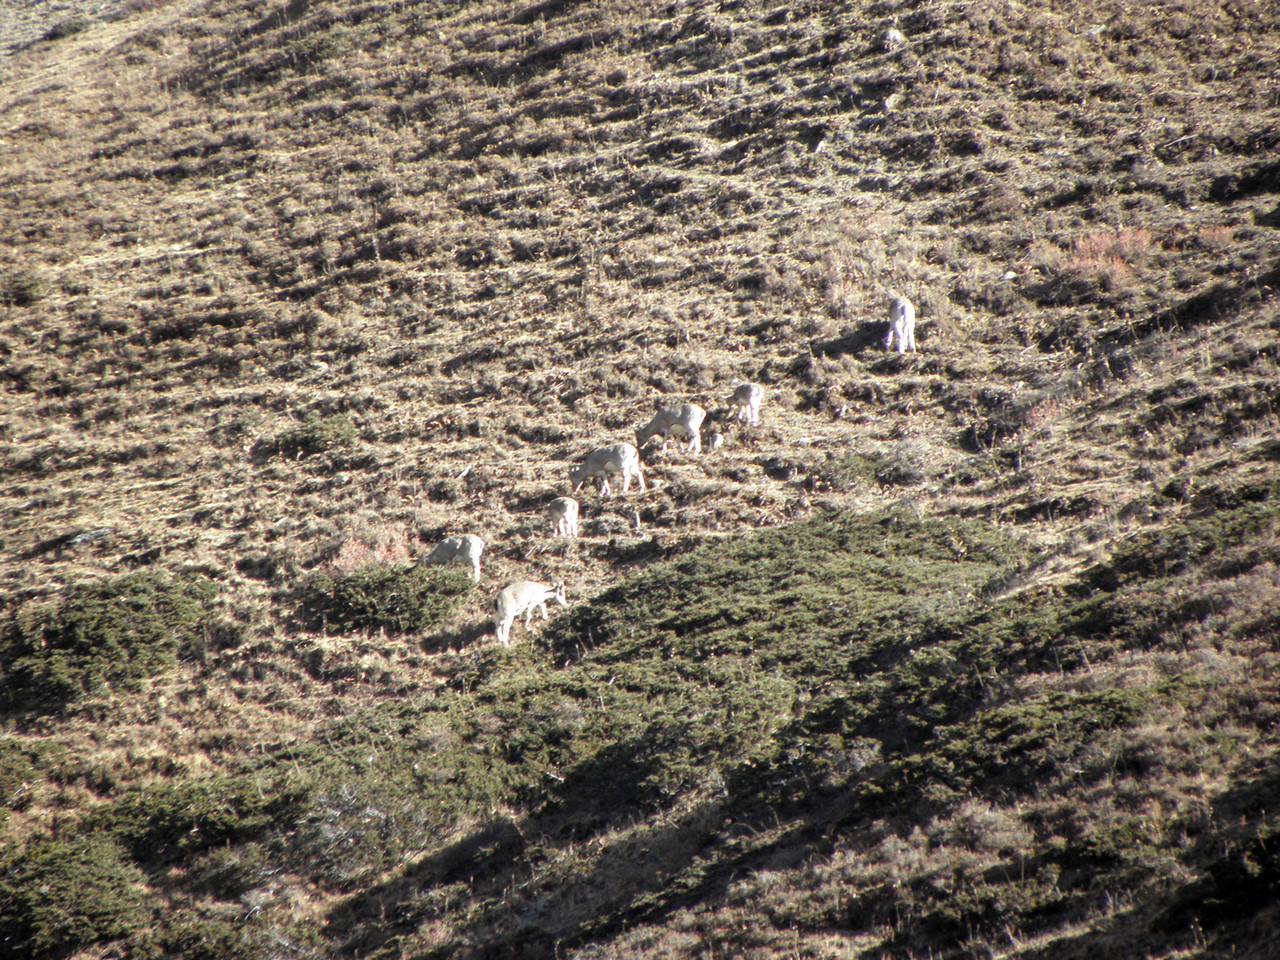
pixel 902 324
pixel 682 424
pixel 747 398
pixel 464 549
pixel 524 597
pixel 618 459
pixel 563 512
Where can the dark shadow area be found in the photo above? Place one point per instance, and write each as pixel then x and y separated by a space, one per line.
pixel 853 340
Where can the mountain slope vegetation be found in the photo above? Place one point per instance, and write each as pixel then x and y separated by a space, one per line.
pixel 970 652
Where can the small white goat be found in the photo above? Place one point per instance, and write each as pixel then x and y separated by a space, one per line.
pixel 747 398
pixel 563 512
pixel 617 459
pixel 464 549
pixel 524 597
pixel 682 424
pixel 902 324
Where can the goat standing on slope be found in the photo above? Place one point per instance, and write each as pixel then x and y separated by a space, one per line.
pixel 682 424
pixel 524 597
pixel 747 398
pixel 464 549
pixel 902 324
pixel 563 512
pixel 619 459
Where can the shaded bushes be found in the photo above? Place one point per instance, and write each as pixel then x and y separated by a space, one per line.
pixel 170 819
pixel 63 893
pixel 57 896
pixel 115 633
pixel 377 596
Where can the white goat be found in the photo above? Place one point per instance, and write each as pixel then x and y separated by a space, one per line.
pixel 524 597
pixel 682 423
pixel 747 398
pixel 617 459
pixel 902 324
pixel 464 549
pixel 563 512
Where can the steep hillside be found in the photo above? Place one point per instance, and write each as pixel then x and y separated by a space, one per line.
pixel 967 652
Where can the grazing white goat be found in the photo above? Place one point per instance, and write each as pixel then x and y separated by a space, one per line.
pixel 524 597
pixel 617 459
pixel 464 549
pixel 563 512
pixel 902 324
pixel 682 424
pixel 747 398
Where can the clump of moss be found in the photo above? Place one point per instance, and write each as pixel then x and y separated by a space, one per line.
pixel 100 636
pixel 59 895
pixel 382 596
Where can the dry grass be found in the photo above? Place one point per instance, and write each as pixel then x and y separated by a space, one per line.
pixel 288 290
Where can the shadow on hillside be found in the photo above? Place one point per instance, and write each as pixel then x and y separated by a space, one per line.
pixel 853 340
pixel 662 864
pixel 528 898
pixel 460 637
pixel 1232 908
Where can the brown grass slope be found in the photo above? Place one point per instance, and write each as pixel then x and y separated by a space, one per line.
pixel 289 285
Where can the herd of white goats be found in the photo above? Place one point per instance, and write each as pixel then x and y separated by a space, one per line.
pixel 681 423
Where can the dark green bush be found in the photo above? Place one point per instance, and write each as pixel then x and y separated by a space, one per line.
pixel 160 821
pixel 17 767
pixel 101 635
pixel 214 938
pixel 316 434
pixel 382 596
pixel 886 469
pixel 57 896
pixel 836 674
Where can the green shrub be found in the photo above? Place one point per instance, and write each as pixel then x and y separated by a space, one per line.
pixel 316 434
pixel 834 675
pixel 17 767
pixel 100 635
pixel 213 940
pixel 163 820
pixel 695 669
pixel 57 896
pixel 382 596
pixel 888 470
